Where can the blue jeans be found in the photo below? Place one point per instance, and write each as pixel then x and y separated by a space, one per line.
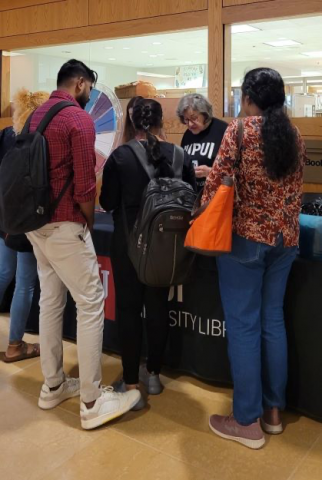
pixel 252 281
pixel 24 266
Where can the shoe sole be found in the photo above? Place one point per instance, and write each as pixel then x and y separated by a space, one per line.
pixel 253 444
pixel 272 429
pixel 49 404
pixel 106 417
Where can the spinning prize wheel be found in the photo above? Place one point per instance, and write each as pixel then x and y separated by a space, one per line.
pixel 106 112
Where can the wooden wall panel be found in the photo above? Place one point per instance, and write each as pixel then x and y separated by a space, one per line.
pixel 139 27
pixel 270 9
pixel 215 57
pixel 5 122
pixel 14 4
pixel 43 18
pixel 231 3
pixel 109 11
pixel 4 86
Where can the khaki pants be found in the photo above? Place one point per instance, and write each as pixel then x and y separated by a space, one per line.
pixel 67 261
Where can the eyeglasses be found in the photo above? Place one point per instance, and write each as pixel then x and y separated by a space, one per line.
pixel 194 119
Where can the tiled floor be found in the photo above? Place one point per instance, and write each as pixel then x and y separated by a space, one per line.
pixel 168 441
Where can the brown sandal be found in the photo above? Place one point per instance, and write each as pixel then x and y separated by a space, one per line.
pixel 24 354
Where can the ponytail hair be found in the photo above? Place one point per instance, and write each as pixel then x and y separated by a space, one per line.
pixel 147 114
pixel 265 88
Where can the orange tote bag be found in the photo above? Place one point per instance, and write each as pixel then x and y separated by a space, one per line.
pixel 211 231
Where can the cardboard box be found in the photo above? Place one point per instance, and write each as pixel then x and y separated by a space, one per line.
pixel 313 167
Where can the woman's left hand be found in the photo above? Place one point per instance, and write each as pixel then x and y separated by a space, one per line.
pixel 202 171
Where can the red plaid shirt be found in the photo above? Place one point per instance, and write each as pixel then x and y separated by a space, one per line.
pixel 71 138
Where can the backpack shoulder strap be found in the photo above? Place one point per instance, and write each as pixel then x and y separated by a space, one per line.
pixel 177 161
pixel 140 153
pixel 26 126
pixel 52 112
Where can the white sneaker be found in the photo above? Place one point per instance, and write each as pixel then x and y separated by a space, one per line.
pixel 108 406
pixel 51 398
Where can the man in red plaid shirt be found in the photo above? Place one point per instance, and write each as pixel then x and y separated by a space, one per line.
pixel 66 256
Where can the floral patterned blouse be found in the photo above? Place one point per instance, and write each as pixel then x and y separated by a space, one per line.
pixel 265 207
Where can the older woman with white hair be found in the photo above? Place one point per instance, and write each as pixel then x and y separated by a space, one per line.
pixel 204 134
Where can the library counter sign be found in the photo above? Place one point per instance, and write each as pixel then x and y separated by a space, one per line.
pixel 190 76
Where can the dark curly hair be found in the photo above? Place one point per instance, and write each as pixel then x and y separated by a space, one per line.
pixel 265 88
pixel 147 114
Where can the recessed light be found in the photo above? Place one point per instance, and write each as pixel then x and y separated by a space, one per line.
pixel 243 29
pixel 108 48
pixel 313 54
pixel 267 58
pixel 126 48
pixel 153 56
pixel 311 74
pixel 12 54
pixel 197 51
pixel 160 54
pixel 282 43
pixel 149 64
pixel 111 58
pixel 188 62
pixel 156 43
pixel 144 51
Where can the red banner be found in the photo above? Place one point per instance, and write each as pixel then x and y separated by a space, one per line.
pixel 106 273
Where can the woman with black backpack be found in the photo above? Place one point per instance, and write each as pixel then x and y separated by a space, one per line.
pixel 124 181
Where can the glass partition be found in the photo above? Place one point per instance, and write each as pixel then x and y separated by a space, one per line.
pixel 292 46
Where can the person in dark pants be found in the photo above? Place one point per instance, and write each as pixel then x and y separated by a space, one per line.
pixel 124 181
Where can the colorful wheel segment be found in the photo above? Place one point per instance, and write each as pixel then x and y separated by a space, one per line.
pixel 106 112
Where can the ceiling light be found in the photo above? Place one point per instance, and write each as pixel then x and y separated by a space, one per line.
pixel 144 51
pixel 156 43
pixel 313 54
pixel 160 54
pixel 109 48
pixel 311 74
pixel 112 58
pixel 153 74
pixel 126 48
pixel 282 43
pixel 12 54
pixel 243 29
pixel 188 62
pixel 149 64
pixel 197 51
pixel 153 56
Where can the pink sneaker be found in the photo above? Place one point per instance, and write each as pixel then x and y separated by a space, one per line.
pixel 251 436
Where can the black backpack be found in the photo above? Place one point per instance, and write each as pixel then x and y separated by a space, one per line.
pixel 25 193
pixel 156 243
